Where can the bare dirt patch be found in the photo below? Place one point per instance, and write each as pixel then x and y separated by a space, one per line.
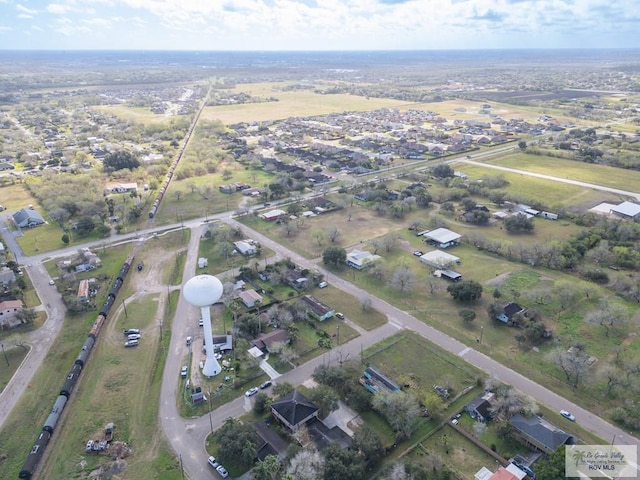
pixel 499 279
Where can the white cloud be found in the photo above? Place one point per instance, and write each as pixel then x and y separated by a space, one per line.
pixel 37 28
pixel 23 9
pixel 24 16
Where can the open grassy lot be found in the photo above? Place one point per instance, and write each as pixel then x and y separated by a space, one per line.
pixel 351 307
pixel 292 104
pixel 15 197
pixel 134 114
pixel 556 194
pixel 459 454
pixel 409 356
pixel 191 203
pixel 302 241
pixel 585 172
pixel 10 360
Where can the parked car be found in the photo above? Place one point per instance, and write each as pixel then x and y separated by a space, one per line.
pixel 222 471
pixel 188 341
pixel 183 371
pixel 567 415
pixel 212 461
pixel 340 315
pixel 266 384
pixel 131 331
pixel 201 323
pixel 252 391
pixel 131 343
pixel 418 253
pixel 134 336
pixel 323 284
pixel 51 282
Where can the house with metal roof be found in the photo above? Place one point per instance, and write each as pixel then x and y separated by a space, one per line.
pixel 360 259
pixel 316 308
pixel 442 237
pixel 439 259
pixel 628 210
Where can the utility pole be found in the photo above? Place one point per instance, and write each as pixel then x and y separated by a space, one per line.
pixel 210 421
pixel 125 309
pixel 6 359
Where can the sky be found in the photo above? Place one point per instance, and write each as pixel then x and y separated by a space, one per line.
pixel 317 24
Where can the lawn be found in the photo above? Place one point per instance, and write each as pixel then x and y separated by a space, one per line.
pixel 352 233
pixel 351 307
pixel 585 172
pixel 11 359
pixel 409 359
pixel 556 194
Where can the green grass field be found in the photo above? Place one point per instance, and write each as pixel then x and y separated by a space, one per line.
pixel 10 359
pixel 585 172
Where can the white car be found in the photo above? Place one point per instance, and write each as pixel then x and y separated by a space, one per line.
pixel 201 323
pixel 212 461
pixel 183 372
pixel 51 282
pixel 222 471
pixel 251 392
pixel 567 415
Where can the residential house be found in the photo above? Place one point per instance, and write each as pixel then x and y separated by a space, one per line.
pixel 510 472
pixel 7 276
pixel 273 215
pixel 250 298
pixel 294 410
pixel 27 218
pixel 374 380
pixel 442 237
pixel 120 187
pixel 269 442
pixel 226 189
pixel 8 311
pixel 439 259
pixel 511 312
pixel 538 433
pixel 549 215
pixel 264 341
pixel 316 308
pixel 480 407
pixel 360 259
pixel 246 247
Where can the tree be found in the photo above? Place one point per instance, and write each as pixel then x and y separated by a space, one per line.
pixel 465 291
pixel 306 465
pixel 261 403
pixel 442 171
pixel 518 223
pixel 319 236
pixel 267 469
pixel 573 362
pixel 333 377
pixel 522 145
pixel 403 279
pixel 366 304
pixel 467 315
pixel 609 316
pixel 85 225
pixel 26 315
pixel 552 467
pixel 281 389
pixel 325 398
pixel 400 409
pixel 120 160
pixel 334 234
pixel 369 445
pixel 65 238
pixel 342 464
pixel 236 443
pixel 334 256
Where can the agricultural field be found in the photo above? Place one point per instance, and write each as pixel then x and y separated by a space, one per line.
pixel 292 104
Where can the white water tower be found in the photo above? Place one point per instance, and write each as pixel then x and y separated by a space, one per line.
pixel 203 291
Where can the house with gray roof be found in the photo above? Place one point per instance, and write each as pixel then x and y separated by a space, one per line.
pixel 294 410
pixel 27 218
pixel 628 210
pixel 539 434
